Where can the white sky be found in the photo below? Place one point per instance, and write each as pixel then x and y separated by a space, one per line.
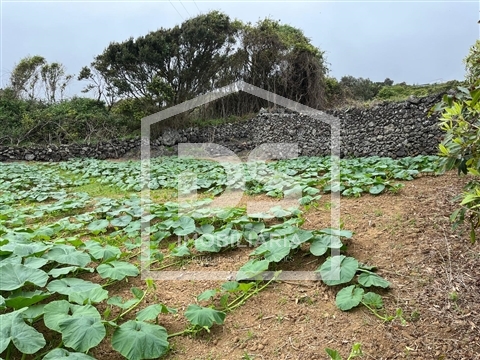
pixel 412 41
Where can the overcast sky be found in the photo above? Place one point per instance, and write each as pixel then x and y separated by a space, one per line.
pixel 413 41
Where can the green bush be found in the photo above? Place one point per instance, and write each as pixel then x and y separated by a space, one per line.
pixel 460 120
pixel 400 92
pixel 74 120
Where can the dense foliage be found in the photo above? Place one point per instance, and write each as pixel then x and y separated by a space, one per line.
pixel 67 121
pixel 169 66
pixel 460 120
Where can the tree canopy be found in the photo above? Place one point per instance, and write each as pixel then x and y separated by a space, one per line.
pixel 168 66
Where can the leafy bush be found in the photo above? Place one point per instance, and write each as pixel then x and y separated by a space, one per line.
pixel 74 120
pixel 460 148
pixel 403 91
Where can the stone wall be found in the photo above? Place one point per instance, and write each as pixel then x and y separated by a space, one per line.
pixel 387 129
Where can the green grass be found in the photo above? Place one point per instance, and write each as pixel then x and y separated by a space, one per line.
pixel 401 92
pixel 95 189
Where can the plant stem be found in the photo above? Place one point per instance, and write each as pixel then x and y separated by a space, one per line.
pixel 184 332
pixel 132 307
pixel 9 350
pixel 245 298
pixel 375 312
pixel 167 266
pixel 108 283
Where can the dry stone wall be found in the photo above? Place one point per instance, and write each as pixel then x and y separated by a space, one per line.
pixel 387 129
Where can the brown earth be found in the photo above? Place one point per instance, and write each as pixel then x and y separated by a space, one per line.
pixel 434 271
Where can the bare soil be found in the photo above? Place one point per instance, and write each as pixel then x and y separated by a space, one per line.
pixel 434 271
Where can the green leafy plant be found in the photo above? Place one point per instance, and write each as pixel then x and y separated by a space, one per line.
pixel 460 114
pixel 355 352
pixel 62 247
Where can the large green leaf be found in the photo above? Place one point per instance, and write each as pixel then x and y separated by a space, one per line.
pixel 376 189
pixel 84 332
pixel 184 226
pixel 252 269
pixel 334 354
pixel 33 312
pixel 24 337
pixel 151 312
pixel 92 296
pixel 14 276
pixel 25 249
pixel 204 317
pixel 66 254
pixel 117 270
pixel 321 243
pixel 274 250
pixel 206 229
pixel 68 286
pixel 21 299
pixel 81 326
pixel 35 262
pixel 299 237
pixel 373 300
pixel 62 354
pixel 118 301
pixel 180 251
pixel 138 340
pixel 207 295
pixel 368 279
pixel 338 270
pixel 121 221
pixel 66 270
pixel 231 286
pixel 98 226
pixel 207 243
pixel 349 297
pixel 104 253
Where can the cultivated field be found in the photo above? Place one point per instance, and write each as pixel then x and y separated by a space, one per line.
pixel 407 285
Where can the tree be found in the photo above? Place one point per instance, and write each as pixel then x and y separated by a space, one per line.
pixel 25 76
pixel 32 74
pixel 99 85
pixel 360 88
pixel 280 58
pixel 472 63
pixel 387 82
pixel 460 119
pixel 169 66
pixel 54 80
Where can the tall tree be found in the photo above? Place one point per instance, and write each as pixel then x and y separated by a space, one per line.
pixel 169 66
pixel 55 80
pixel 26 75
pixel 280 58
pixel 98 84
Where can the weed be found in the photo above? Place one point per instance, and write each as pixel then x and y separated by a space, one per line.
pixel 453 296
pixel 415 315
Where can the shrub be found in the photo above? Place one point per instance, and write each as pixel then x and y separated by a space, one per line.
pixel 74 120
pixel 460 120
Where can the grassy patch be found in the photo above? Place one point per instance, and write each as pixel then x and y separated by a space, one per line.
pixel 95 189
